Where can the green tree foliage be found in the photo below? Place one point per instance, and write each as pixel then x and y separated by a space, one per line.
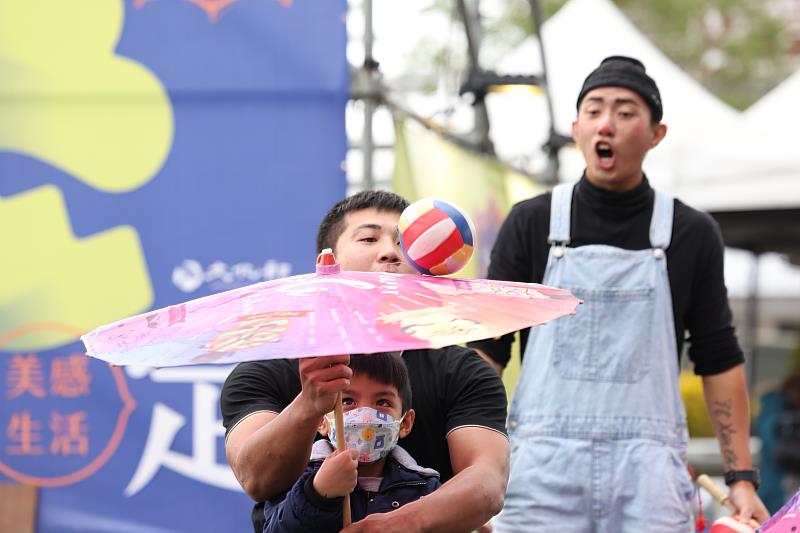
pixel 738 49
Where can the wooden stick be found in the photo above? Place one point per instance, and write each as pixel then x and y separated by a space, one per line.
pixel 341 446
pixel 712 488
pixel 723 499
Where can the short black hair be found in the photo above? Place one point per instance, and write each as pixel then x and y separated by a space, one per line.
pixel 332 226
pixel 388 368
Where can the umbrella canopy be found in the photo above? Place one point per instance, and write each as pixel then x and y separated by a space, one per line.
pixel 786 520
pixel 327 313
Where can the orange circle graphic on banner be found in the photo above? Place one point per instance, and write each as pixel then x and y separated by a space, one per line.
pixel 128 405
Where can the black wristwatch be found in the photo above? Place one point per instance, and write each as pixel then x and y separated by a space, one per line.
pixel 732 476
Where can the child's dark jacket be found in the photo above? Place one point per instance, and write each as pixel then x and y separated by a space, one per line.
pixel 302 509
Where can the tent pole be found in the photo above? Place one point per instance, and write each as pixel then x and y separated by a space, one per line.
pixel 555 141
pixel 751 321
pixel 470 15
pixel 367 144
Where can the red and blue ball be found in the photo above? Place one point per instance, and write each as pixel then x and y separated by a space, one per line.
pixel 437 237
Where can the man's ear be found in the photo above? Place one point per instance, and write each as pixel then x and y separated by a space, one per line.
pixel 407 423
pixel 659 132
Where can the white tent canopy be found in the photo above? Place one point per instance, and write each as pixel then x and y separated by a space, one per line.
pixel 712 157
pixel 777 112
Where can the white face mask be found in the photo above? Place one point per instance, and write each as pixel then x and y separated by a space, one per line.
pixel 370 432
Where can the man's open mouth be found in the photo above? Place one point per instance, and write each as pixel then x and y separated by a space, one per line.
pixel 605 153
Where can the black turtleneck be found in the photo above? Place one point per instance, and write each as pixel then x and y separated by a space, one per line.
pixel 694 261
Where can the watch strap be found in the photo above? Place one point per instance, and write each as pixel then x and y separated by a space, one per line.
pixel 732 476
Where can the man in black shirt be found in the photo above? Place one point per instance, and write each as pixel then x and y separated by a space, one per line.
pixel 271 409
pixel 601 388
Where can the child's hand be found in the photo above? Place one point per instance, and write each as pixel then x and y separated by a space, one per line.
pixel 338 474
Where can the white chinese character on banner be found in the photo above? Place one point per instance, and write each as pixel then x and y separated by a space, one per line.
pixel 165 423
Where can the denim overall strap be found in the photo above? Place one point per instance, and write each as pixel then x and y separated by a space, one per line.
pixel 661 221
pixel 597 424
pixel 560 213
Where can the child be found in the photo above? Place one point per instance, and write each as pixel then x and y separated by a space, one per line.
pixel 380 475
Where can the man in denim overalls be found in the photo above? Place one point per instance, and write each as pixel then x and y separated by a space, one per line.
pixel 597 425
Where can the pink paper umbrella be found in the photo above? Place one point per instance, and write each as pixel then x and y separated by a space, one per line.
pixel 786 520
pixel 327 313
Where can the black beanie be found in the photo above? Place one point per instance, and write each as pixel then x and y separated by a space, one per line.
pixel 627 72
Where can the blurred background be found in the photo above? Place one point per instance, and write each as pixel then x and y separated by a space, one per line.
pixel 155 151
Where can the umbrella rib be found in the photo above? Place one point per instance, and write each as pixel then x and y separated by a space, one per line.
pixel 360 317
pixel 342 332
pixel 409 300
pixel 312 328
pixel 428 296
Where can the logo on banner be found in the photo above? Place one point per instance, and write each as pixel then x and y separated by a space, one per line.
pixel 60 424
pixel 191 275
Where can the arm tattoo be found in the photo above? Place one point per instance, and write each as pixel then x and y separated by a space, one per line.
pixel 722 412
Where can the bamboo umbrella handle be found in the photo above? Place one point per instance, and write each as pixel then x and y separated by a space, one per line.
pixel 712 488
pixel 341 446
pixel 724 500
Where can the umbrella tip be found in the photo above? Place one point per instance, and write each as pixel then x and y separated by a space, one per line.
pixel 326 258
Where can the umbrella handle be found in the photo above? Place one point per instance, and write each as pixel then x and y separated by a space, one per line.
pixel 723 499
pixel 712 488
pixel 341 446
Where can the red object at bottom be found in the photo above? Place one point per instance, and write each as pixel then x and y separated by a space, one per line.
pixel 730 524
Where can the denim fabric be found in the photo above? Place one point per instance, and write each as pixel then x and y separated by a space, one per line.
pixel 597 425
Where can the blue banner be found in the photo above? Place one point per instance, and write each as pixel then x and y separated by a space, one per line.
pixel 151 152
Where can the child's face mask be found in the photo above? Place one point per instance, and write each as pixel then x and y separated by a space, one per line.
pixel 371 433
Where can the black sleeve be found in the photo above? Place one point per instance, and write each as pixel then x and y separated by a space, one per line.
pixel 513 259
pixel 713 347
pixel 258 386
pixel 475 393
